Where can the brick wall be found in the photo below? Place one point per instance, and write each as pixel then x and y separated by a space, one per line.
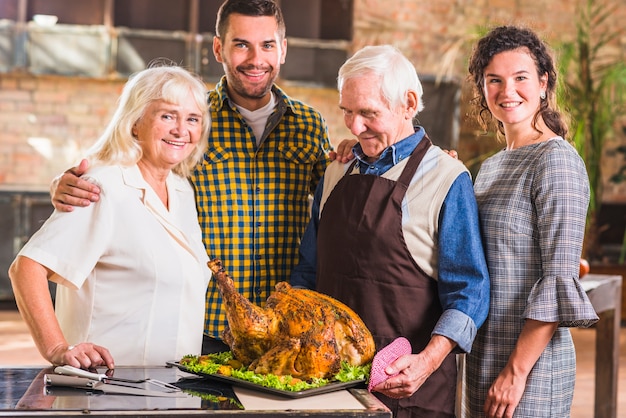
pixel 46 121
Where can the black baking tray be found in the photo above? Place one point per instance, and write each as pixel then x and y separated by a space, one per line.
pixel 330 387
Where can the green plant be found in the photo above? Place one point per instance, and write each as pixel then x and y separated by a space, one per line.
pixel 595 96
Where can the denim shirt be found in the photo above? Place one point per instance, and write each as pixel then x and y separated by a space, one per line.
pixel 463 279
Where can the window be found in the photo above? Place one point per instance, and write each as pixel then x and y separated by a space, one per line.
pixel 77 12
pixel 100 38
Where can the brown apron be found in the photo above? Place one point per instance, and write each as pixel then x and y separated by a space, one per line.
pixel 364 262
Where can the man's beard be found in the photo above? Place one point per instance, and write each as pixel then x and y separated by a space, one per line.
pixel 246 89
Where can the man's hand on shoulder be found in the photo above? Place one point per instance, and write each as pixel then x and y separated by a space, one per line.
pixel 344 151
pixel 452 153
pixel 68 189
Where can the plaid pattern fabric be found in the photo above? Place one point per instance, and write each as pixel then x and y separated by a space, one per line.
pixel 253 201
pixel 532 203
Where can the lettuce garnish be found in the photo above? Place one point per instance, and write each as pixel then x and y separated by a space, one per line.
pixel 224 364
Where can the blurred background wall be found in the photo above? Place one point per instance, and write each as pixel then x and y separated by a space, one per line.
pixel 59 80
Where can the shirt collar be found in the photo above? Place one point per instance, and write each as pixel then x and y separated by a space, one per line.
pixel 221 97
pixel 390 156
pixel 132 177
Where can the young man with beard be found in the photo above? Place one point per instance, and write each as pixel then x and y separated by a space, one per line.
pixel 265 154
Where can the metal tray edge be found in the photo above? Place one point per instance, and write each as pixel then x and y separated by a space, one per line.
pixel 331 387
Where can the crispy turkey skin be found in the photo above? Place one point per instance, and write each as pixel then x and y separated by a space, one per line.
pixel 300 332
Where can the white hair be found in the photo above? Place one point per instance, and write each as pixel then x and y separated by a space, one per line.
pixel 397 74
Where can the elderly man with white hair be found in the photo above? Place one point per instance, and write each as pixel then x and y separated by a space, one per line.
pixel 395 235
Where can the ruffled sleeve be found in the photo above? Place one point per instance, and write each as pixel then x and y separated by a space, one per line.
pixel 560 197
pixel 562 300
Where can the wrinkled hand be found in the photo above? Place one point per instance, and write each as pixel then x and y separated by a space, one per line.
pixel 344 151
pixel 504 395
pixel 69 190
pixel 83 355
pixel 413 371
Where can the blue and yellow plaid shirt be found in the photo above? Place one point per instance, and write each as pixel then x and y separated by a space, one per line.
pixel 252 200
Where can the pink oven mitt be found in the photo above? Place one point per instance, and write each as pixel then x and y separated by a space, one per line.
pixel 390 353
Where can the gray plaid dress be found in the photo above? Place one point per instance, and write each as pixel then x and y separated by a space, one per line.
pixel 532 203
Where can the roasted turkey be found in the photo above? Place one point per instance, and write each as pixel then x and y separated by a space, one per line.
pixel 300 332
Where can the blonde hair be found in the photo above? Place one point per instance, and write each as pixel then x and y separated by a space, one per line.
pixel 117 146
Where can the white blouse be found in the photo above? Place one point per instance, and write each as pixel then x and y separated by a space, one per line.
pixel 133 275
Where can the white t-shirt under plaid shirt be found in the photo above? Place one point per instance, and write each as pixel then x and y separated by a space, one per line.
pixel 253 200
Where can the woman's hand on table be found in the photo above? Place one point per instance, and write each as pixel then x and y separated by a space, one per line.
pixel 84 355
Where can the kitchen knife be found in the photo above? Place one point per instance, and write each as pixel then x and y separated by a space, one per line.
pixel 68 370
pixel 75 371
pixel 84 383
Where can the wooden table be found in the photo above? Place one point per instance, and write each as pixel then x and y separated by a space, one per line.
pixel 605 293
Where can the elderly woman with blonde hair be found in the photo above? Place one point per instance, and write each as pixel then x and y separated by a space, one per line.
pixel 131 268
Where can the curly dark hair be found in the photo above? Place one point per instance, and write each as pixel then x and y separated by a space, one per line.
pixel 507 38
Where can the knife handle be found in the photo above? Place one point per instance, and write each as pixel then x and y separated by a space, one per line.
pixel 68 370
pixel 68 381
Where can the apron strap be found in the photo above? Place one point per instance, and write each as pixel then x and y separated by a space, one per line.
pixel 411 167
pixel 414 161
